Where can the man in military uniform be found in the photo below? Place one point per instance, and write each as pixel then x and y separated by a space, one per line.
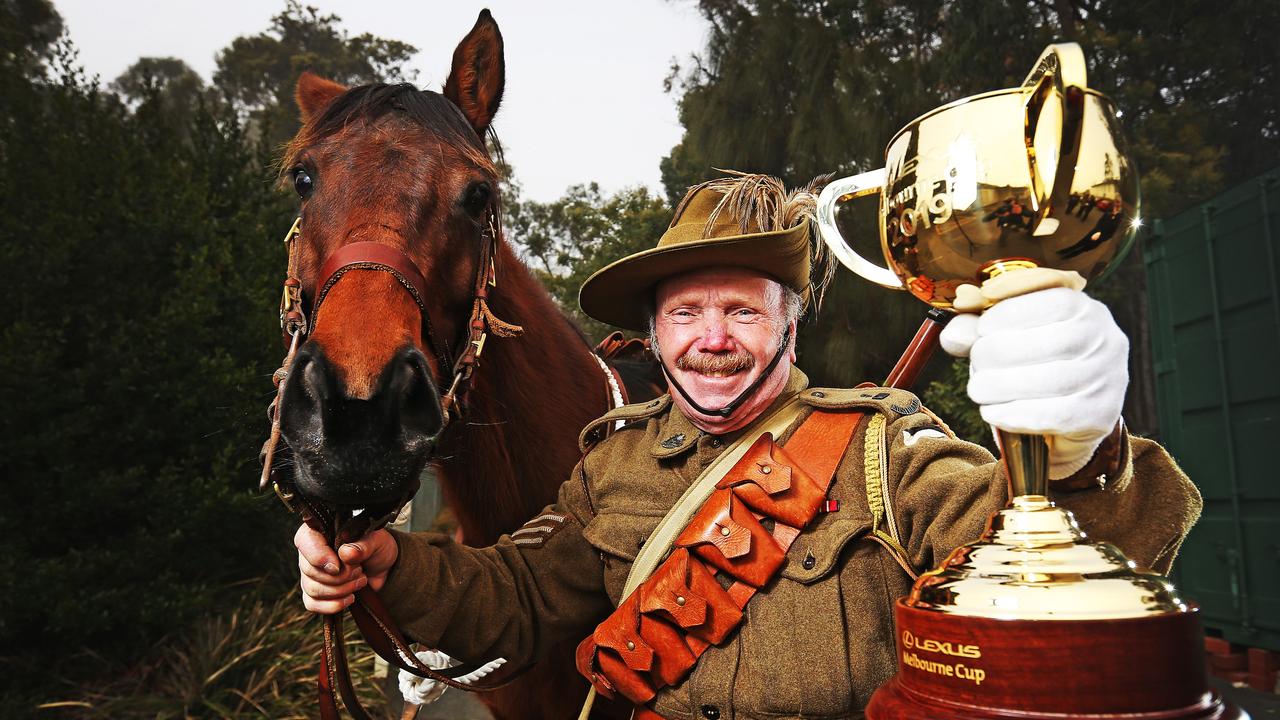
pixel 721 295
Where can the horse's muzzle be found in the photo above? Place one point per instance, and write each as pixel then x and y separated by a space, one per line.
pixel 357 452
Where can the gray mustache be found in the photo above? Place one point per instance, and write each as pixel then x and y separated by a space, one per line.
pixel 715 362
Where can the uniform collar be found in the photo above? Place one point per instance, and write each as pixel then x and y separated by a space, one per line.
pixel 677 434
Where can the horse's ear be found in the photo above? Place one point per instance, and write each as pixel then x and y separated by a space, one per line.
pixel 479 73
pixel 313 93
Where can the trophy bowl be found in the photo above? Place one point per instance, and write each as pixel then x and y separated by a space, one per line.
pixel 1037 175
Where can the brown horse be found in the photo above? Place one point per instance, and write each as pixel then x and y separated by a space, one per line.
pixel 408 169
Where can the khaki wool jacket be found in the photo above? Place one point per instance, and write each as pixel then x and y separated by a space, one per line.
pixel 817 641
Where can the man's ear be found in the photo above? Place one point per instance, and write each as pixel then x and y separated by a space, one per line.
pixel 313 93
pixel 479 73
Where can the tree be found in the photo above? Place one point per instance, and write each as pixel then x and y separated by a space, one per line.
pixel 169 87
pixel 136 342
pixel 166 74
pixel 28 31
pixel 800 87
pixel 258 72
pixel 567 240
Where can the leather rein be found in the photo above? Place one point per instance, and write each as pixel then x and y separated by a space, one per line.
pixel 297 321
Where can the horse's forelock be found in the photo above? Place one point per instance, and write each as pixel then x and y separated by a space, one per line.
pixel 426 108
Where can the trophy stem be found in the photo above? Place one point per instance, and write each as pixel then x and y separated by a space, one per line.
pixel 1026 460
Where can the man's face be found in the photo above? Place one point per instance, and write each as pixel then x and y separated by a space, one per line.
pixel 717 330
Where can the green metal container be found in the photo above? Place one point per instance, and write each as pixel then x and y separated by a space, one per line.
pixel 1215 328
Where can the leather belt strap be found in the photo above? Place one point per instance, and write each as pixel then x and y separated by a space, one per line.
pixel 815 450
pixel 817 446
pixel 374 623
pixel 374 255
pixel 664 535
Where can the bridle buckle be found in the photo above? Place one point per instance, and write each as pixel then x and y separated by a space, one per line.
pixel 286 496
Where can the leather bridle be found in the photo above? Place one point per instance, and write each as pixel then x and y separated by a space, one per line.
pixel 295 325
pixel 339 526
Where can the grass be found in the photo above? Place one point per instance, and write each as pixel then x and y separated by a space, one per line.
pixel 259 660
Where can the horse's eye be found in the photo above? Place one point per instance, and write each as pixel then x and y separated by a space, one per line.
pixel 302 183
pixel 476 199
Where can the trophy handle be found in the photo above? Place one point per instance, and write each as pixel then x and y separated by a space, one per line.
pixel 868 183
pixel 1057 81
pixel 1058 77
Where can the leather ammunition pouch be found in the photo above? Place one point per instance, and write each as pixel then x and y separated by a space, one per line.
pixel 656 635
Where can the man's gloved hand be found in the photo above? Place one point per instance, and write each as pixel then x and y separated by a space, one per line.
pixel 1050 362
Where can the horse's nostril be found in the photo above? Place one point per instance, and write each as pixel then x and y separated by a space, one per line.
pixel 412 393
pixel 308 389
pixel 314 379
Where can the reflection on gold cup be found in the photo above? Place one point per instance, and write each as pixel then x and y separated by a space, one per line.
pixel 1038 173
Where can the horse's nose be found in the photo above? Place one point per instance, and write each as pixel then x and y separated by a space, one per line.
pixel 398 421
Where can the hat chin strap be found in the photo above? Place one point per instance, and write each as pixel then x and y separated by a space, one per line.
pixel 734 404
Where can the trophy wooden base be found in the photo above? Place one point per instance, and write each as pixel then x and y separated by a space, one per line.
pixel 953 667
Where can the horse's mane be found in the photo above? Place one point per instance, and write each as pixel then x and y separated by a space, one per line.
pixel 370 102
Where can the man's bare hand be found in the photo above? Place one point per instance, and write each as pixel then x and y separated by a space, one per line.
pixel 330 580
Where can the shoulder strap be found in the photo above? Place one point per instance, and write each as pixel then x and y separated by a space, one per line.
pixel 615 419
pixel 664 536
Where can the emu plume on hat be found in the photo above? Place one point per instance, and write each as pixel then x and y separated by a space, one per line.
pixel 742 220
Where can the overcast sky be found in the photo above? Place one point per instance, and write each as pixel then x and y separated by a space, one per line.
pixel 584 98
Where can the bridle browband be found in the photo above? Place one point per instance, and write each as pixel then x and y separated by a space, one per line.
pixel 339 527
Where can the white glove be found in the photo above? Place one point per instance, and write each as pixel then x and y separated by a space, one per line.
pixel 1051 362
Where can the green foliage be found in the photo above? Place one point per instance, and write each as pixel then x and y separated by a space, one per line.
pixel 258 72
pixel 136 345
pixel 174 90
pixel 798 89
pixel 28 30
pixel 257 660
pixel 140 237
pixel 801 87
pixel 565 241
pixel 1191 85
pixel 946 396
pixel 151 74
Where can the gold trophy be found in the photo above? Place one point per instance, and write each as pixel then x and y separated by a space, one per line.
pixel 1032 620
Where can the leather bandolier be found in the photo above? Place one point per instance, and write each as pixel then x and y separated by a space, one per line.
pixel 740 536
